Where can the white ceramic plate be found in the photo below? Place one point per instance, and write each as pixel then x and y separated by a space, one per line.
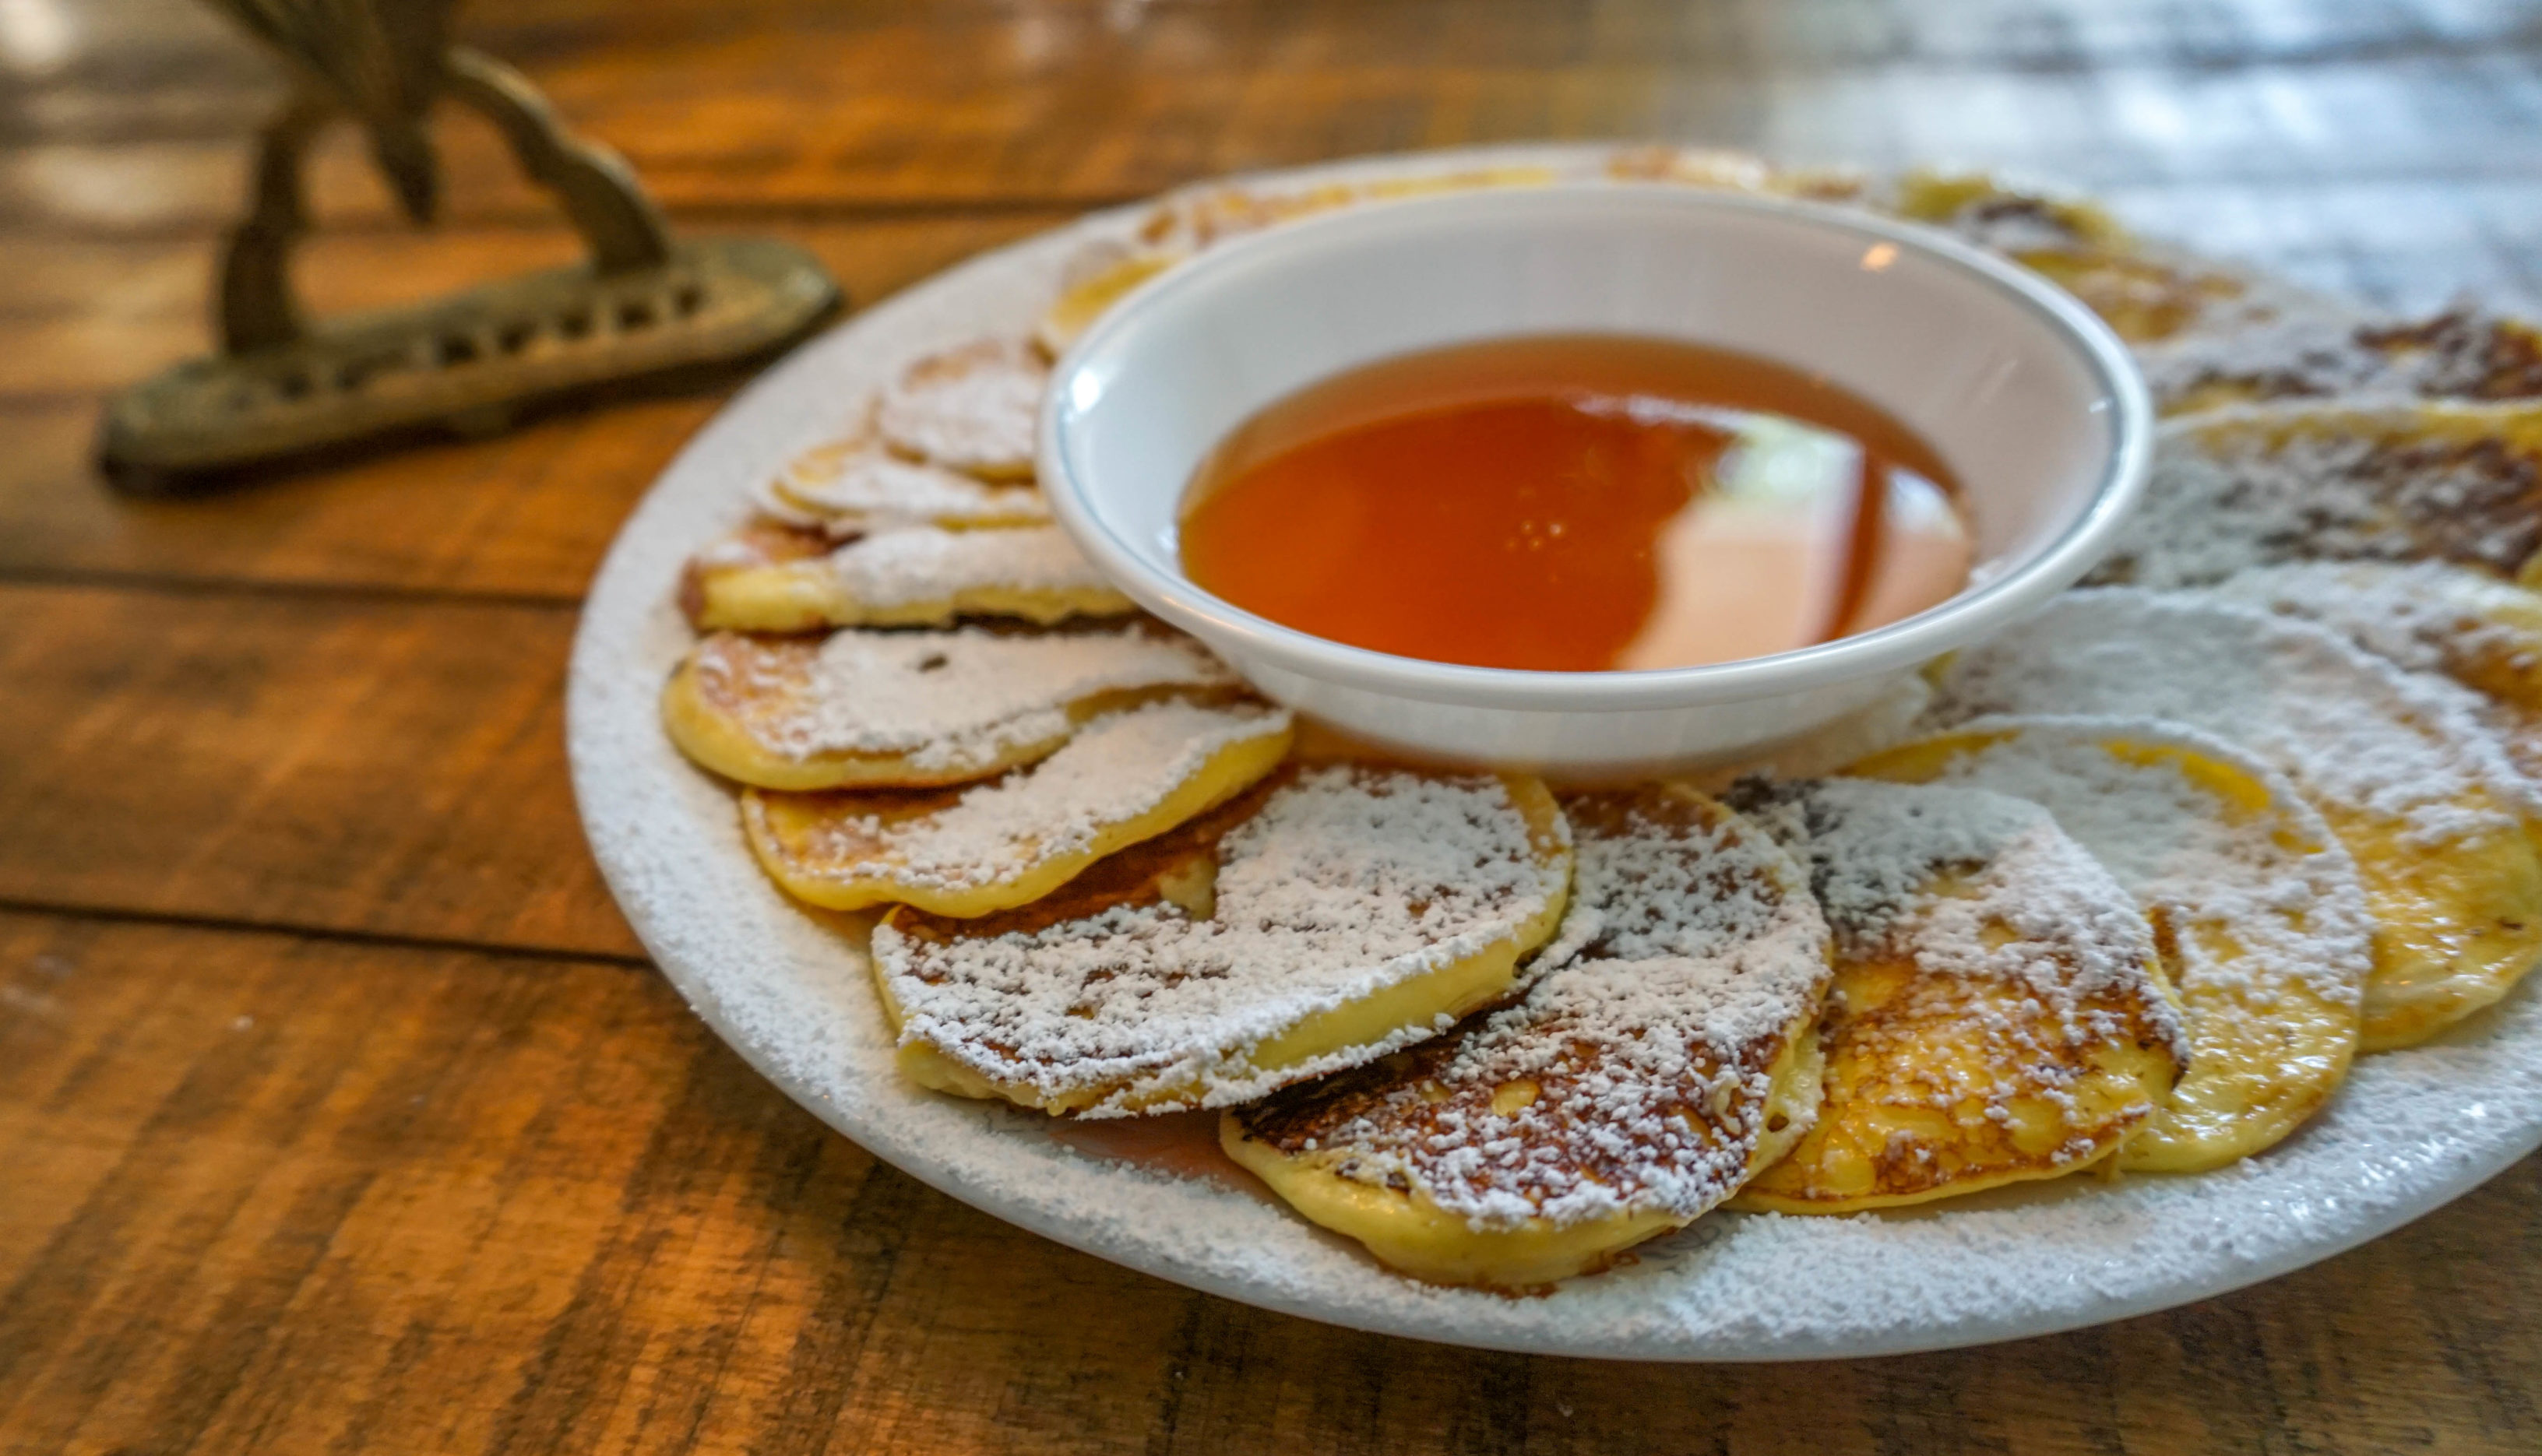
pixel 2409 1131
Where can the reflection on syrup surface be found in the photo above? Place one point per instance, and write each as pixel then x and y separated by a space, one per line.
pixel 1576 502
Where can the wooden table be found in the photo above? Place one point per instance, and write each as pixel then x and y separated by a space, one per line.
pixel 339 1109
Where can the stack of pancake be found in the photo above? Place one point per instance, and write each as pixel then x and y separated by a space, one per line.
pixel 2142 877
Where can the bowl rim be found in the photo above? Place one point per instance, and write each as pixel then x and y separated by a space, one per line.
pixel 1979 609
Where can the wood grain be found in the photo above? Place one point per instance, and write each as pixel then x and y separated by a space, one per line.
pixel 278 1194
pixel 336 1111
pixel 522 515
pixel 530 514
pixel 385 768
pixel 813 107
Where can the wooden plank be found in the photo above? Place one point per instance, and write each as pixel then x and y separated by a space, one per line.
pixel 386 768
pixel 139 68
pixel 530 514
pixel 279 1195
pixel 527 514
pixel 818 110
pixel 84 315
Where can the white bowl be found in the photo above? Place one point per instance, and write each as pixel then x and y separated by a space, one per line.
pixel 2032 401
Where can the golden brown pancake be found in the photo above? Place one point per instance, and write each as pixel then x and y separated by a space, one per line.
pixel 857 484
pixel 2144 292
pixel 2257 911
pixel 1205 216
pixel 915 709
pixel 971 409
pixel 2263 486
pixel 1997 1015
pixel 984 847
pixel 2399 764
pixel 1331 916
pixel 2432 618
pixel 778 579
pixel 2462 355
pixel 1638 1084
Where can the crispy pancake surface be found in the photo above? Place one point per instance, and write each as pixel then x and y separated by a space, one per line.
pixel 1125 777
pixel 1638 1084
pixel 2461 354
pixel 913 710
pixel 1997 1013
pixel 2257 911
pixel 2399 765
pixel 2260 485
pixel 1333 915
pixel 913 576
pixel 2427 617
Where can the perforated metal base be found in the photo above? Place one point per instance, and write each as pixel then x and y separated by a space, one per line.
pixel 469 364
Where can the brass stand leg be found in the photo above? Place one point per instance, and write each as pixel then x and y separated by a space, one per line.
pixel 256 308
pixel 642 310
pixel 599 191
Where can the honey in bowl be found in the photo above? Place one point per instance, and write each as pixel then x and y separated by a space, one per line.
pixel 1576 503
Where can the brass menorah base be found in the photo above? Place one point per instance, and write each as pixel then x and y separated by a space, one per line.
pixel 643 311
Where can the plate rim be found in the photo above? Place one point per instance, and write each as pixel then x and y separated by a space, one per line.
pixel 625 600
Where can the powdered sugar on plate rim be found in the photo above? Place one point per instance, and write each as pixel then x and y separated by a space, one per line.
pixel 2409 1131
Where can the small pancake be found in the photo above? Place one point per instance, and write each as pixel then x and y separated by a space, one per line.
pixel 972 409
pixel 913 710
pixel 856 486
pixel 1096 280
pixel 1203 216
pixel 2462 355
pixel 2145 293
pixel 1998 1014
pixel 1638 1084
pixel 1697 167
pixel 2431 618
pixel 1737 171
pixel 769 538
pixel 2263 484
pixel 2257 911
pixel 990 846
pixel 921 576
pixel 1329 917
pixel 2398 764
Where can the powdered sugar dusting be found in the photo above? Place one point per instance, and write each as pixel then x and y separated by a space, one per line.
pixel 2294 915
pixel 2235 489
pixel 2343 726
pixel 1877 853
pixel 2430 617
pixel 1886 721
pixel 2410 1129
pixel 945 700
pixel 1647 1059
pixel 2427 617
pixel 926 563
pixel 972 407
pixel 857 484
pixel 1345 881
pixel 1117 769
pixel 2461 353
